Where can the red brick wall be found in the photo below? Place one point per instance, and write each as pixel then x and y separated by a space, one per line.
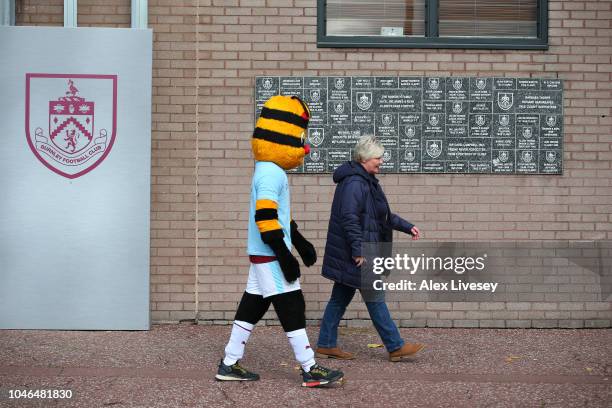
pixel 174 160
pixel 107 13
pixel 206 56
pixel 39 12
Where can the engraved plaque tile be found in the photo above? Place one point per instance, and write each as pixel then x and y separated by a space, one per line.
pixel 409 160
pixel 315 161
pixel 550 161
pixel 393 100
pixel 339 112
pixel 387 82
pixel 457 89
pixel 503 126
pixel 493 125
pixel 389 164
pixel 266 87
pixel 503 161
pixel 411 83
pixel 363 82
pixel 504 83
pixel 292 82
pixel 338 88
pixel 481 89
pixel 469 150
pixel 434 89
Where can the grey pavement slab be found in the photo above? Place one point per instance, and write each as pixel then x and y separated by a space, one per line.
pixel 174 366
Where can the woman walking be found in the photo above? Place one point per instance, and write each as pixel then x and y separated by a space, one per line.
pixel 360 214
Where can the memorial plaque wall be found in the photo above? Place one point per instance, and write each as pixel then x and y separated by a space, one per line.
pixel 431 124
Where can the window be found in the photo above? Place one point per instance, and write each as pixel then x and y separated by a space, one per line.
pixel 371 18
pixel 510 24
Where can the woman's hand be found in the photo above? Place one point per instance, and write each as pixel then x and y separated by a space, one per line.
pixel 416 233
pixel 359 260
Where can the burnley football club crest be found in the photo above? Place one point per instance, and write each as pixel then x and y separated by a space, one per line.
pixel 315 156
pixel 364 100
pixel 434 148
pixel 339 83
pixel 457 84
pixel 267 83
pixel 433 83
pixel 387 119
pixel 316 136
pixel 433 119
pixel 409 155
pixel 339 107
pixel 315 95
pixel 410 131
pixel 71 120
pixel 527 132
pixel 504 120
pixel 505 100
pixel 480 120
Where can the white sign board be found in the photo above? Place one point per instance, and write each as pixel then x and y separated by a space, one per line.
pixel 75 153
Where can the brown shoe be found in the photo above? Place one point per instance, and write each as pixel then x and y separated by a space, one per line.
pixel 407 350
pixel 334 352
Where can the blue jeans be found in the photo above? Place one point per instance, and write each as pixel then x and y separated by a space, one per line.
pixel 340 298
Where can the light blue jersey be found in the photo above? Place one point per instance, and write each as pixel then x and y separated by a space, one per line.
pixel 270 183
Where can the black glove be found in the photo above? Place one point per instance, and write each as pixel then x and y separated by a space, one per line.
pixel 289 265
pixel 305 249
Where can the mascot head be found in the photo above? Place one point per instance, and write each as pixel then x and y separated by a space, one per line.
pixel 280 132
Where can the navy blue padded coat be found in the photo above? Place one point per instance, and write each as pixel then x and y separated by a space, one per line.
pixel 360 213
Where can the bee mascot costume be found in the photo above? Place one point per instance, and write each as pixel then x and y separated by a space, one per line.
pixel 278 145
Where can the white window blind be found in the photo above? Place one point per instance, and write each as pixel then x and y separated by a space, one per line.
pixel 375 18
pixel 488 18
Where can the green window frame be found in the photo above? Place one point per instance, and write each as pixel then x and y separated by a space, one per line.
pixel 431 38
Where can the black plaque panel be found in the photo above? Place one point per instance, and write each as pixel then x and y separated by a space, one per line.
pixel 431 124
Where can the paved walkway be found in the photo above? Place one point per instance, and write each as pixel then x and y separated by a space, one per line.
pixel 174 365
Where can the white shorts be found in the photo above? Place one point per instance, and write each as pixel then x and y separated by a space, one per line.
pixel 267 279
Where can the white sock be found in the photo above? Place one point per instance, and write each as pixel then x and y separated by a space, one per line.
pixel 235 347
pixel 301 348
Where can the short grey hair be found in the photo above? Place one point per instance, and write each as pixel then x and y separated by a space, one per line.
pixel 367 147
